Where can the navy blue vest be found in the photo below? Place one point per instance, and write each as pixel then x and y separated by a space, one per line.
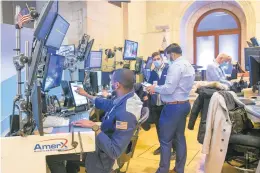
pixel 160 81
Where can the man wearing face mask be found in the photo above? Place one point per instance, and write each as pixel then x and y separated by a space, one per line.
pixel 118 124
pixel 174 94
pixel 158 75
pixel 215 72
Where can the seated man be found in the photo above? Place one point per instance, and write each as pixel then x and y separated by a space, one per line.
pixel 118 124
pixel 215 72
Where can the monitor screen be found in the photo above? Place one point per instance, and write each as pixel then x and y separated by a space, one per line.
pixel 130 50
pixel 149 63
pixel 66 50
pixel 46 19
pixel 254 64
pixel 78 99
pixel 53 72
pixel 88 49
pixel 37 107
pixel 57 33
pixel 94 60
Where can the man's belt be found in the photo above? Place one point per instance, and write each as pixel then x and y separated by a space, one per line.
pixel 176 102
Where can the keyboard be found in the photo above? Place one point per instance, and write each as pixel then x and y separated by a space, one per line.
pixel 58 121
pixel 79 116
pixel 55 121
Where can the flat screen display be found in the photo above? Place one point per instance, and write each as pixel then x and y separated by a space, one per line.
pixel 130 50
pixel 53 72
pixel 79 100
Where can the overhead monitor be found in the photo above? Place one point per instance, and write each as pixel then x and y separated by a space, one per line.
pixel 254 63
pixel 130 50
pixel 66 50
pixel 57 33
pixel 37 107
pixel 254 41
pixel 53 72
pixel 94 61
pixel 149 63
pixel 88 49
pixel 46 19
pixel 78 99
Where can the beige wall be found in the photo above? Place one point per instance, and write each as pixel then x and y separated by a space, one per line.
pixel 172 13
pixel 110 25
pixel 256 6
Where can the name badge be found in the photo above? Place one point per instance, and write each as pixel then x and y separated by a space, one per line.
pixel 121 125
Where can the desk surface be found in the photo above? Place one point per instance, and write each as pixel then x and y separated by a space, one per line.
pixel 256 110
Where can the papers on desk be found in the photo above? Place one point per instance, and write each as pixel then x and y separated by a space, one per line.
pixel 48 130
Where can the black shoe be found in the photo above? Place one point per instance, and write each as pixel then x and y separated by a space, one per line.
pixel 146 127
pixel 173 156
pixel 157 151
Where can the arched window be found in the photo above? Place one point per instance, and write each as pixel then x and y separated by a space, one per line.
pixel 217 31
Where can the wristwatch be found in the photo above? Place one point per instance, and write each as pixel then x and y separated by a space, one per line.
pixel 95 128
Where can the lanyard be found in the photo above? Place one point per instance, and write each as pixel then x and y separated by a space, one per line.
pixel 107 114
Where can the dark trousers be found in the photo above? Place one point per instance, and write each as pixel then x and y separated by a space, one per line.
pixel 171 130
pixel 56 163
pixel 156 113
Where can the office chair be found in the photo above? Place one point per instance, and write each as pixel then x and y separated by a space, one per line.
pixel 129 152
pixel 244 150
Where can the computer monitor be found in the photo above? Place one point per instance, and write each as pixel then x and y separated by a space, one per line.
pixel 53 72
pixel 138 65
pixel 57 33
pixel 68 102
pixel 254 63
pixel 254 41
pixel 149 63
pixel 88 49
pixel 105 79
pixel 250 51
pixel 130 50
pixel 37 107
pixel 46 19
pixel 94 61
pixel 66 50
pixel 78 99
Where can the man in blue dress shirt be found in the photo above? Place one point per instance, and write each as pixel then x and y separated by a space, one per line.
pixel 158 75
pixel 215 72
pixel 175 96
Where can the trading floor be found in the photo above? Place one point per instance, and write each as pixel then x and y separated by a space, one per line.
pixel 145 162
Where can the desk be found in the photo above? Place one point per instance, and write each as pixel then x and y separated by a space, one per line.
pixel 255 117
pixel 28 154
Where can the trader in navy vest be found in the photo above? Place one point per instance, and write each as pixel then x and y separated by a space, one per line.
pixel 175 96
pixel 215 72
pixel 158 76
pixel 118 124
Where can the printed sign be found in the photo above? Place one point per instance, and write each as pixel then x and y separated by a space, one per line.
pixel 57 144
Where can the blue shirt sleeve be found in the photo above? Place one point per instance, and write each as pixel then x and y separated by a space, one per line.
pixel 172 80
pixel 117 143
pixel 104 104
pixel 213 74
